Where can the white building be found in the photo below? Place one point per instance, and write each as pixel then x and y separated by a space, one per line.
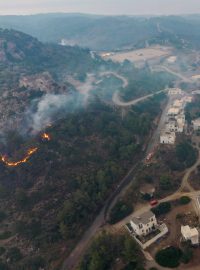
pixel 174 91
pixel 196 124
pixel 176 125
pixel 167 137
pixel 172 59
pixel 188 99
pixel 173 111
pixel 144 224
pixel 190 234
pixel 178 103
pixel 171 126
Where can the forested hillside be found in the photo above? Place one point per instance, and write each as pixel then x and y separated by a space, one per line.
pixel 64 146
pixel 67 180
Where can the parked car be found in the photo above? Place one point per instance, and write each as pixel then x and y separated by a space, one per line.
pixel 153 202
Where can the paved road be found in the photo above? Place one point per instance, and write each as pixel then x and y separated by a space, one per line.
pixel 115 74
pixel 72 261
pixel 156 136
pixel 117 101
pixel 178 75
pixel 147 207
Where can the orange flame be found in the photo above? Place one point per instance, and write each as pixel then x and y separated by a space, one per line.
pixel 46 136
pixel 30 152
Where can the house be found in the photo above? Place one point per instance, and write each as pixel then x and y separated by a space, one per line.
pixel 173 111
pixel 178 103
pixel 174 91
pixel 188 99
pixel 196 124
pixel 190 234
pixel 171 126
pixel 144 224
pixel 167 137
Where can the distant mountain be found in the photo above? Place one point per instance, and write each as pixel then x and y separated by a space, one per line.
pixel 107 32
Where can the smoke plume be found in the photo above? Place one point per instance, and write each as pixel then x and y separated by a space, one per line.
pixel 50 107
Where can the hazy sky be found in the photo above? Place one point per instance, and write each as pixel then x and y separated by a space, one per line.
pixel 100 6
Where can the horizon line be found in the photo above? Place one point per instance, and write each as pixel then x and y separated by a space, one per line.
pixel 99 14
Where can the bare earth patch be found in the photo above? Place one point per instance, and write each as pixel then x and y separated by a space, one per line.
pixel 138 55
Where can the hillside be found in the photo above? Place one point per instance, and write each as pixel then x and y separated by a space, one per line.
pixel 106 32
pixel 50 200
pixel 30 71
pixel 53 184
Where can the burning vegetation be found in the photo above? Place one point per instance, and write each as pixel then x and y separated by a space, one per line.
pixel 46 137
pixel 30 152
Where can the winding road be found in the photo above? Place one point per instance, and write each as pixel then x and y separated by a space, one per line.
pixel 178 75
pixel 117 101
pixel 115 74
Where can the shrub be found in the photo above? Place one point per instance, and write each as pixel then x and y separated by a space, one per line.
pixel 2 216
pixel 187 256
pixel 165 182
pixel 186 154
pixel 5 235
pixel 119 211
pixel 2 251
pixel 169 257
pixel 184 200
pixel 162 208
pixel 14 254
pixel 34 263
pixel 3 266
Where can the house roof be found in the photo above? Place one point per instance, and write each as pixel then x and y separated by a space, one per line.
pixel 196 121
pixel 144 218
pixel 189 232
pixel 173 110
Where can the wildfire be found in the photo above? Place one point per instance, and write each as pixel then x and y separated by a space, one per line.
pixel 46 136
pixel 30 152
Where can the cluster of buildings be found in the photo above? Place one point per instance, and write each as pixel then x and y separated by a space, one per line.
pixel 175 119
pixel 146 230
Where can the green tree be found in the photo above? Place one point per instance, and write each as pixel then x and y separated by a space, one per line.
pixel 14 254
pixel 165 182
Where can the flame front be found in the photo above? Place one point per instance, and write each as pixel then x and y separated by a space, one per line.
pixel 46 136
pixel 30 152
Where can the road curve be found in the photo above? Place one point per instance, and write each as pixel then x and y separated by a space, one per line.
pixel 115 74
pixel 178 75
pixel 117 101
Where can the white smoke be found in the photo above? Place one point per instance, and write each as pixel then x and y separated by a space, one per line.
pixel 50 106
